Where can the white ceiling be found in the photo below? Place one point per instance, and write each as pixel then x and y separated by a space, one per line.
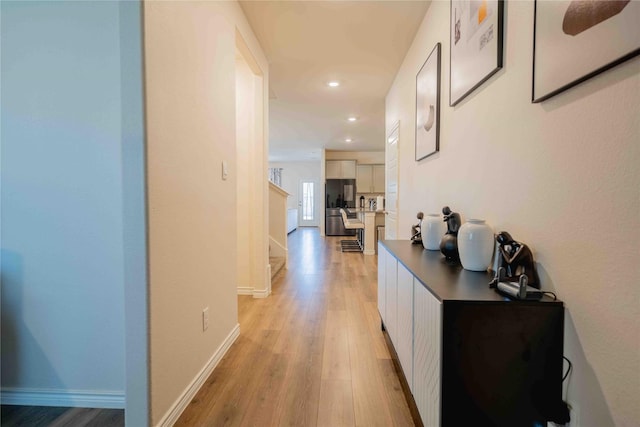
pixel 361 44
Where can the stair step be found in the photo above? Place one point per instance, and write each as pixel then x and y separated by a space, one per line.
pixel 276 263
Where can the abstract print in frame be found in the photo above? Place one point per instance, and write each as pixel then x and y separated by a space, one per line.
pixel 428 106
pixel 476 45
pixel 576 40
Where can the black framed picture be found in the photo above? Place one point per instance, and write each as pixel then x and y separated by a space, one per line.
pixel 476 31
pixel 576 40
pixel 428 106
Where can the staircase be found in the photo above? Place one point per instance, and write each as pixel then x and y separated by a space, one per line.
pixel 276 264
pixel 277 228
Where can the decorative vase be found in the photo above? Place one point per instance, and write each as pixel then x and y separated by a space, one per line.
pixel 475 245
pixel 433 228
pixel 449 242
pixel 449 247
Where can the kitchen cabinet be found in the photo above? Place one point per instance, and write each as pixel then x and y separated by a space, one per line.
pixel 340 169
pixel 378 178
pixel 370 179
pixel 468 355
pixel 364 179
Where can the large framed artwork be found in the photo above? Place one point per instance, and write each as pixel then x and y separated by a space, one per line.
pixel 575 40
pixel 428 106
pixel 476 45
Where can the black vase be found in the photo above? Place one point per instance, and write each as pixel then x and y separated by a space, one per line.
pixel 449 246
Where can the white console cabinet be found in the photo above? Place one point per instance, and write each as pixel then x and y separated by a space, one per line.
pixel 412 318
pixel 405 322
pixel 391 291
pixel 426 354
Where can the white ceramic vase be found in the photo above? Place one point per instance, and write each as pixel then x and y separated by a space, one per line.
pixel 475 245
pixel 433 228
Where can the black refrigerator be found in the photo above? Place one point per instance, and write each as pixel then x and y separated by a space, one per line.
pixel 339 193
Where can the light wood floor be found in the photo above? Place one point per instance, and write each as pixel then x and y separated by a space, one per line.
pixel 312 354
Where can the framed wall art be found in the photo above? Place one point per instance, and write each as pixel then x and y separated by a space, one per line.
pixel 476 45
pixel 575 40
pixel 428 106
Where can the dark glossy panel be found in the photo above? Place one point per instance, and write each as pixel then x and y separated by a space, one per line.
pixel 502 364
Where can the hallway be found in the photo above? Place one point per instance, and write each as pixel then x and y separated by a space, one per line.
pixel 312 354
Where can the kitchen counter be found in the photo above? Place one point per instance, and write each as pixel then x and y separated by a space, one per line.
pixel 365 210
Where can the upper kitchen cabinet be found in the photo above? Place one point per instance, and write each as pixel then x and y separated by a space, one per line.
pixel 364 180
pixel 370 179
pixel 378 178
pixel 340 169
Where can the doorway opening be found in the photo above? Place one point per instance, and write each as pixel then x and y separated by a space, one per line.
pixel 252 237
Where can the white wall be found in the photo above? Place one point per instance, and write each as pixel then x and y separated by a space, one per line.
pixel 190 50
pixel 561 176
pixel 293 173
pixel 63 321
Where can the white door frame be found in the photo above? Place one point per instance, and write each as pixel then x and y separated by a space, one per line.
pixel 391 182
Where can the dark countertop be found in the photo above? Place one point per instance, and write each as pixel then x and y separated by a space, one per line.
pixel 447 281
pixel 365 210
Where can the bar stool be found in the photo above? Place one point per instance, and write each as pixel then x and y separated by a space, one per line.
pixel 352 224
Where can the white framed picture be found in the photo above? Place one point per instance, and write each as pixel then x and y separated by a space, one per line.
pixel 428 106
pixel 576 40
pixel 476 28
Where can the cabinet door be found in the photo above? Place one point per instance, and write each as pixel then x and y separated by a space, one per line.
pixel 364 182
pixel 391 304
pixel 382 296
pixel 333 169
pixel 404 346
pixel 378 178
pixel 427 351
pixel 348 169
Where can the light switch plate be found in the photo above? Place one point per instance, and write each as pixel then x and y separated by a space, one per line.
pixel 205 319
pixel 225 170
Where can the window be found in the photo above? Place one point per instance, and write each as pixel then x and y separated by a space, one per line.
pixel 307 201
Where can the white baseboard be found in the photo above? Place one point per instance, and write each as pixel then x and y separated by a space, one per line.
pixel 174 412
pixel 263 293
pixel 58 397
pixel 259 293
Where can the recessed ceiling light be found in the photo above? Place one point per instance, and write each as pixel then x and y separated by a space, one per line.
pixel 347 140
pixel 333 84
pixel 352 119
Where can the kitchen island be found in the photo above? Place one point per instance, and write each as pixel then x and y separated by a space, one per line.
pixel 371 219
